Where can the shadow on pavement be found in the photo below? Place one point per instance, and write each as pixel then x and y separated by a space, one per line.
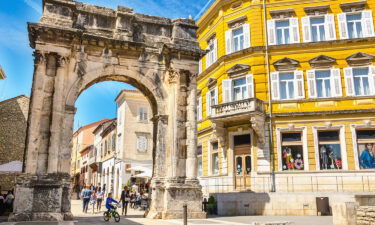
pixel 82 220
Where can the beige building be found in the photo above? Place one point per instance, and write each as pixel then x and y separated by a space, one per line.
pixel 134 132
pixel 82 139
pixel 105 148
pixel 13 123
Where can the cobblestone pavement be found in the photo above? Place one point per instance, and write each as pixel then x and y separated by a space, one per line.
pixel 135 217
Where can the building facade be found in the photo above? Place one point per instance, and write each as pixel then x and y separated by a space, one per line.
pixel 134 134
pixel 300 71
pixel 83 138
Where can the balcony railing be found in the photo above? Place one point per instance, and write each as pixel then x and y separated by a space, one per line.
pixel 237 108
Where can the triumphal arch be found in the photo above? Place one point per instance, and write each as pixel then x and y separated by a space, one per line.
pixel 77 45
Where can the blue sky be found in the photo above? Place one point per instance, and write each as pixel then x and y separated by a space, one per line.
pixel 16 59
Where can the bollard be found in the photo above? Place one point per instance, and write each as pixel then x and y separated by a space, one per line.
pixel 185 213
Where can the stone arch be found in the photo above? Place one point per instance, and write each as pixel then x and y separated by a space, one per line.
pixel 77 46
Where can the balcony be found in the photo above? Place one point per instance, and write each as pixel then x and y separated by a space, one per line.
pixel 238 109
pixel 250 110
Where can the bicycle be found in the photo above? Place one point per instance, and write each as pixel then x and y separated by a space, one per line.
pixel 112 213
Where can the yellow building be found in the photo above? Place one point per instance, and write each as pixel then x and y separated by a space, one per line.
pixel 303 69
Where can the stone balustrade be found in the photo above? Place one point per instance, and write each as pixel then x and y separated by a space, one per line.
pixel 237 108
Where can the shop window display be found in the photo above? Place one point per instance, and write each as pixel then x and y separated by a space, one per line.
pixel 366 148
pixel 329 150
pixel 292 151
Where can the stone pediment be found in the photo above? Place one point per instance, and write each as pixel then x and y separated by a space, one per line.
pixel 322 61
pixel 360 59
pixel 238 69
pixel 286 64
pixel 317 10
pixel 282 13
pixel 211 82
pixel 353 6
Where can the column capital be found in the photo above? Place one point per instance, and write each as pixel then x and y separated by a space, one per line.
pixel 161 118
pixel 39 57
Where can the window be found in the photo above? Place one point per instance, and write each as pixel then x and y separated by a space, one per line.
pixel 214 158
pixel 361 81
pixel 317 29
pixel 282 32
pixel 356 25
pixel 141 143
pixel 292 151
pixel 211 100
pixel 109 144
pixel 287 85
pixel 238 89
pixel 200 163
pixel 237 39
pixel 113 142
pixel 366 148
pixel 101 150
pixel 142 114
pixel 329 150
pixel 106 147
pixel 323 83
pixel 199 108
pixel 119 117
pixel 211 56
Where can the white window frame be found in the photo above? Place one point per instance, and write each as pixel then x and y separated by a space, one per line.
pixel 344 158
pixel 318 28
pixel 283 30
pixel 335 83
pixel 211 56
pixel 353 129
pixel 211 96
pixel 303 130
pixel 355 22
pixel 142 114
pixel 229 38
pixel 329 27
pixel 211 158
pixel 243 89
pixel 228 88
pixel 201 158
pixel 349 80
pixel 367 24
pixel 138 144
pixel 299 81
pixel 199 108
pixel 294 36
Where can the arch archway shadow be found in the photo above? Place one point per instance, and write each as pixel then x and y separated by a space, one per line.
pixel 77 45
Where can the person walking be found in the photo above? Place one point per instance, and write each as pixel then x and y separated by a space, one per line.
pixel 93 201
pixel 125 198
pixel 86 195
pixel 99 199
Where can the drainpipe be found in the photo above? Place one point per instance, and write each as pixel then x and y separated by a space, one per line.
pixel 270 139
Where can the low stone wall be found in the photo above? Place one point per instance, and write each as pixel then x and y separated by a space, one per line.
pixel 366 215
pixel 275 204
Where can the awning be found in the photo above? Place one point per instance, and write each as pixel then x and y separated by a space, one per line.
pixel 147 174
pixel 140 168
pixel 14 166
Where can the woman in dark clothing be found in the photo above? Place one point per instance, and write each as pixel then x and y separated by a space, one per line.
pixel 125 198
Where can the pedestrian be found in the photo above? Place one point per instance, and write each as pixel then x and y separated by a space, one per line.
pixel 85 194
pixel 9 199
pixel 93 201
pixel 104 188
pixel 109 202
pixel 125 198
pixel 77 189
pixel 99 199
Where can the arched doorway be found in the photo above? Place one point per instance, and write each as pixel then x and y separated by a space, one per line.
pixel 78 45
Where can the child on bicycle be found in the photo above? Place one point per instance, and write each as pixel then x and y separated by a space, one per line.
pixel 108 203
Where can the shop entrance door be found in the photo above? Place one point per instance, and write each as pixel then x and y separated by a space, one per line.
pixel 242 153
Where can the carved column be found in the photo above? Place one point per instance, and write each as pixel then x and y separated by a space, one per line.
pixel 57 115
pixel 191 127
pixel 35 110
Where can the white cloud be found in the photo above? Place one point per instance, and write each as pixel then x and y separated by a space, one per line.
pixel 37 7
